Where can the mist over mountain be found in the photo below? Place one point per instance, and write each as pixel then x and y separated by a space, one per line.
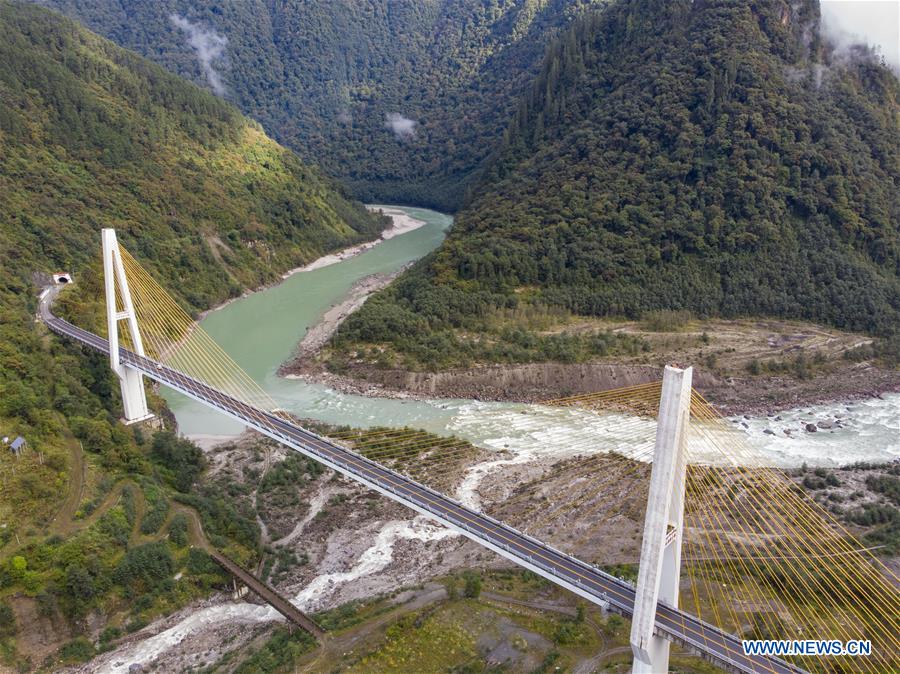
pixel 93 135
pixel 658 161
pixel 326 78
pixel 713 156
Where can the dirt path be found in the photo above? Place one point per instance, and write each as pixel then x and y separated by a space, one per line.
pixel 593 664
pixel 63 518
pixel 63 521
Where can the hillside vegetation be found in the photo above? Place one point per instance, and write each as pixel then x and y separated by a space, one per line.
pixel 711 157
pixel 93 136
pixel 325 76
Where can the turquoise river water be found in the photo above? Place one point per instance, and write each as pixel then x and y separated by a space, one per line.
pixel 261 331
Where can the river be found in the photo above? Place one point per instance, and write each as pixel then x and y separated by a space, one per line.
pixel 261 331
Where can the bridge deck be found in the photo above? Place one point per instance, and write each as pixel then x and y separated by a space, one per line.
pixel 587 581
pixel 268 594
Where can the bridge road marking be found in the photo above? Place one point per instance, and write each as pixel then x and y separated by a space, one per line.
pixel 725 647
pixel 415 492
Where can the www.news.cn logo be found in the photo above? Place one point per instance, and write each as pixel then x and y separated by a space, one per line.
pixel 820 647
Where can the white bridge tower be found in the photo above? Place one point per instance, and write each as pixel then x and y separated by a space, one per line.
pixel 660 563
pixel 134 400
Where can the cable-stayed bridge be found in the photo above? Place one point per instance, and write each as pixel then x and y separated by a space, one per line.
pixel 771 553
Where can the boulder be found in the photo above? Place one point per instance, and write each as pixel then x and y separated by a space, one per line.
pixel 811 428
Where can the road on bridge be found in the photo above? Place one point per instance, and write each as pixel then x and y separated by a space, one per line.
pixel 597 586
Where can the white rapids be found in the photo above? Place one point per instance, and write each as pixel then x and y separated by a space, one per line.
pixel 859 431
pixel 313 596
pixel 867 430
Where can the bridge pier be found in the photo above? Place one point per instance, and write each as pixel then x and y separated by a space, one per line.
pixel 134 399
pixel 660 564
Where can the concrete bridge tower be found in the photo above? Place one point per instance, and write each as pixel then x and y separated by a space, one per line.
pixel 660 563
pixel 134 400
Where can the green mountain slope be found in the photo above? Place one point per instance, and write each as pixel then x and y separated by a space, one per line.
pixel 324 76
pixel 710 156
pixel 93 136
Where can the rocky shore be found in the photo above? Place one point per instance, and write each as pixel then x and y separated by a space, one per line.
pixel 319 334
pixel 401 223
pixel 538 382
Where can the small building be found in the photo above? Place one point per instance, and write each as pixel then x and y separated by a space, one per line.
pixel 18 445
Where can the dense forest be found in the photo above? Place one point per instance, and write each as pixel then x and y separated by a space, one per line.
pixel 93 136
pixel 714 157
pixel 403 100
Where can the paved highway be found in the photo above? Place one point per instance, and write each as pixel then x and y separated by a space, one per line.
pixel 562 569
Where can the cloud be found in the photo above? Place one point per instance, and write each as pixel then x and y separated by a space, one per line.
pixel 403 127
pixel 209 46
pixel 874 23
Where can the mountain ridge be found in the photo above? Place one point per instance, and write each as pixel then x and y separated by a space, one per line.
pixel 94 136
pixel 325 78
pixel 675 156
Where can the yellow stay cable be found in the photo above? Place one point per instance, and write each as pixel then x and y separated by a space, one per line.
pixel 814 536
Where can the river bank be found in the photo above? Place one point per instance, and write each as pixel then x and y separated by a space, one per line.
pixel 318 334
pixel 401 223
pixel 538 382
pixel 262 333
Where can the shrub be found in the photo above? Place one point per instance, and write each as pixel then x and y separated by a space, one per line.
pixel 180 461
pixel 871 514
pixel 110 633
pixel 615 623
pixel 7 620
pixel 813 483
pixel 568 633
pixel 666 320
pixel 178 530
pixel 77 650
pixel 885 484
pixel 472 586
pixel 145 565
pixel 157 509
pixel 278 653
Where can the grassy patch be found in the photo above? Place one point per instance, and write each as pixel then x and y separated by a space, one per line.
pixel 666 320
pixel 426 643
pixel 278 653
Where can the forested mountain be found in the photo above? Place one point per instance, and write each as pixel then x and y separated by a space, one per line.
pixel 403 100
pixel 91 136
pixel 712 156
